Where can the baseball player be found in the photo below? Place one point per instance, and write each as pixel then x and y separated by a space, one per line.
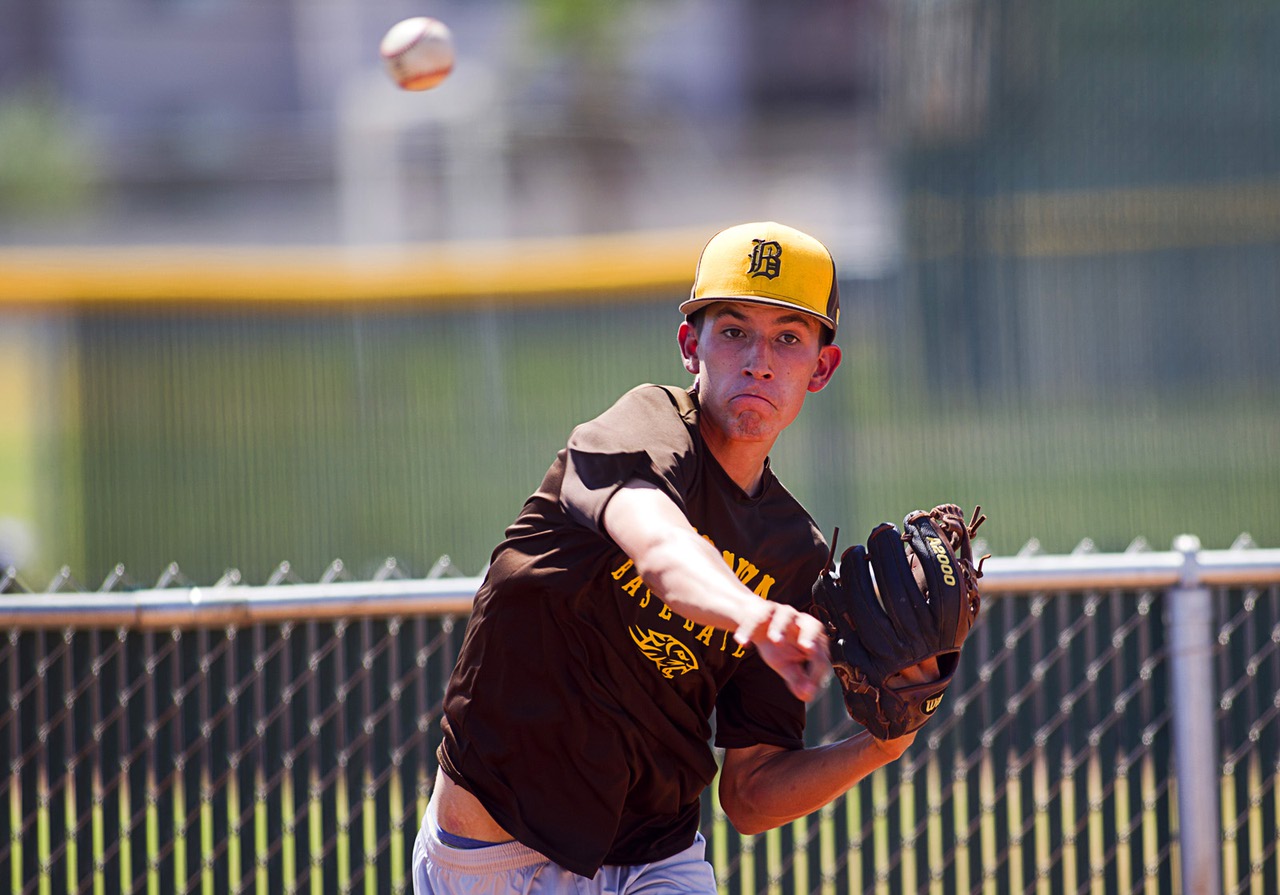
pixel 655 579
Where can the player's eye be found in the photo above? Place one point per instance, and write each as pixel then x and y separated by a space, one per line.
pixel 789 339
pixel 731 332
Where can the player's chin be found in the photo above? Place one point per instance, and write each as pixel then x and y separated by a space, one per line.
pixel 753 425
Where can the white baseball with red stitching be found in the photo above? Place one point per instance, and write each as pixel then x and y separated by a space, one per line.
pixel 418 52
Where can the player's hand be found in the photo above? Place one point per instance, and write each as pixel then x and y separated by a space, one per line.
pixel 792 643
pixel 924 673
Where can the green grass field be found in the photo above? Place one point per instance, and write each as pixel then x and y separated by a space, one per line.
pixel 247 441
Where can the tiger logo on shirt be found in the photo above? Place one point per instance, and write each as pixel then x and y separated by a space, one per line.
pixel 670 655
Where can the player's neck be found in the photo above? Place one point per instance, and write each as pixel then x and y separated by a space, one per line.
pixel 743 461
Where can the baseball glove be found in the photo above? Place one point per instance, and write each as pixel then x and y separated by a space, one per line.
pixel 925 603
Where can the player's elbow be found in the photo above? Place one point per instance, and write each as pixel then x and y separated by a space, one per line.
pixel 745 808
pixel 746 821
pixel 750 825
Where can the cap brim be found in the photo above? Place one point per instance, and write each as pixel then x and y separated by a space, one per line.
pixel 689 305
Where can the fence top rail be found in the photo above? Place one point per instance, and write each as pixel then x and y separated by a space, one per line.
pixel 238 605
pixel 241 605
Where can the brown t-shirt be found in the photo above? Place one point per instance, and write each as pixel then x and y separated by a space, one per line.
pixel 579 710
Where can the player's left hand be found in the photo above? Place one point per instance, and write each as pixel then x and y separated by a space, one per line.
pixel 897 633
pixel 792 643
pixel 924 673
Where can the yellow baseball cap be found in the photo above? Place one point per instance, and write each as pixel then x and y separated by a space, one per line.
pixel 769 264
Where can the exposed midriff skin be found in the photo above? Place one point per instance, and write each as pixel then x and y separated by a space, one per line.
pixel 460 813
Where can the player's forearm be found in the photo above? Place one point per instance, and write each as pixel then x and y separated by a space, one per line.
pixel 691 577
pixel 676 563
pixel 765 787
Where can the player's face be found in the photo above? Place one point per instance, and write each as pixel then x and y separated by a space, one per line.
pixel 755 364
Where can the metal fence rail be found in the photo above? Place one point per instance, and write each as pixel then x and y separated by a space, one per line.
pixel 1114 728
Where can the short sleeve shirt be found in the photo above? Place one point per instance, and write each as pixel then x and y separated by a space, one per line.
pixel 579 711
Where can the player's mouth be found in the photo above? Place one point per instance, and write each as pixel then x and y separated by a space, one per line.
pixel 750 398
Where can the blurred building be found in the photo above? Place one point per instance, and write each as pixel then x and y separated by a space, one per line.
pixel 271 121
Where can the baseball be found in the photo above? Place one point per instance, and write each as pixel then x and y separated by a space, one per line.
pixel 418 52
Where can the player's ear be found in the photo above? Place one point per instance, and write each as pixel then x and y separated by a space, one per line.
pixel 687 336
pixel 828 360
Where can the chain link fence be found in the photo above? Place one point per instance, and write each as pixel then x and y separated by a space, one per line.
pixel 280 738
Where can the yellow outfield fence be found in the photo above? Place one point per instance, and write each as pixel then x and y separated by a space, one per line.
pixel 1030 225
pixel 578 268
pixel 1042 225
pixel 1114 727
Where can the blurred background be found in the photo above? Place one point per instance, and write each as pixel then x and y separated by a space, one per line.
pixel 259 306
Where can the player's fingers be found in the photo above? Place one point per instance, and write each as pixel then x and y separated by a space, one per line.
pixel 803 673
pixel 923 673
pixel 782 624
pixel 790 625
pixel 801 638
pixel 794 645
pixel 812 635
pixel 819 669
pixel 804 679
pixel 796 649
pixel 749 630
pixel 808 679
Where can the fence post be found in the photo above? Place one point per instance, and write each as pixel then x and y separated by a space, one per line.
pixel 1189 624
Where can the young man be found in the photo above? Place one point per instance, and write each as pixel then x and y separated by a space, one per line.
pixel 658 575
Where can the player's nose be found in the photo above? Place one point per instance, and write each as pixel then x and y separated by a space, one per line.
pixel 757 361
